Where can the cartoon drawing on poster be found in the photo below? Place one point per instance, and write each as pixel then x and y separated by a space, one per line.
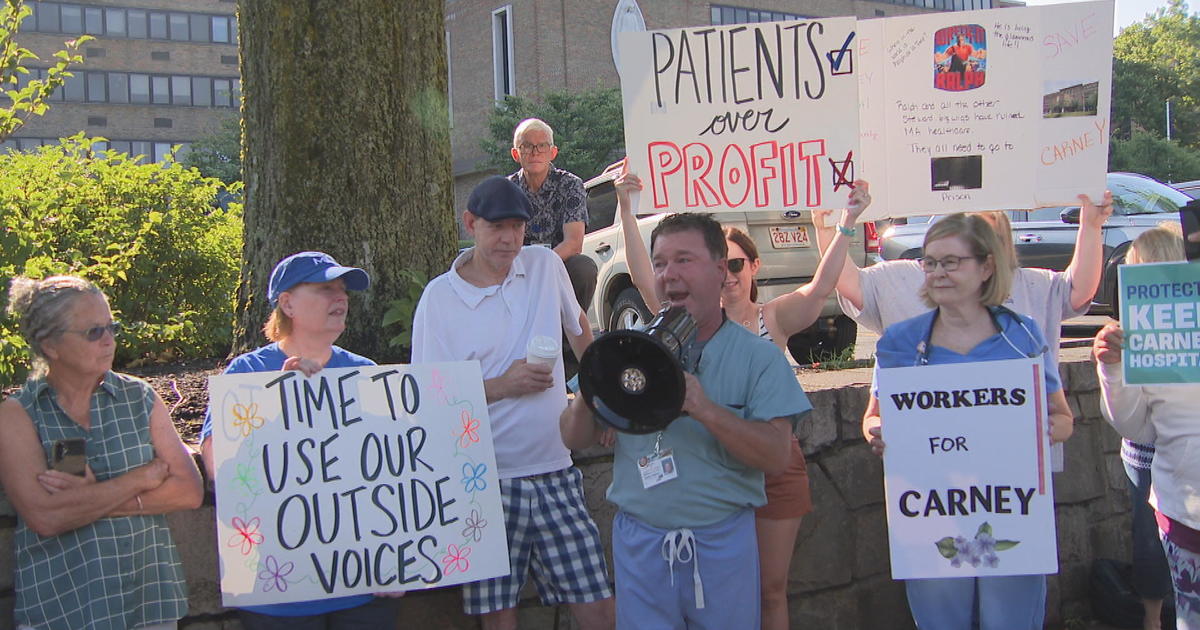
pixel 959 57
pixel 356 480
pixel 742 117
pixel 997 109
pixel 1160 314
pixel 967 469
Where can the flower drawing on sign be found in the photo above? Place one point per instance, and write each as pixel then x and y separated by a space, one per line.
pixel 246 478
pixel 470 430
pixel 979 550
pixel 475 524
pixel 246 534
pixel 438 384
pixel 275 576
pixel 473 477
pixel 455 560
pixel 246 418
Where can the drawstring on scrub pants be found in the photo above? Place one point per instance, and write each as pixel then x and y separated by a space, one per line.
pixel 680 544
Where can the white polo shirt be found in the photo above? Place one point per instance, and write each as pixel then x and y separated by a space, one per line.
pixel 458 321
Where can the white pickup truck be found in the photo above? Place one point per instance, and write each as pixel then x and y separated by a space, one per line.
pixel 786 243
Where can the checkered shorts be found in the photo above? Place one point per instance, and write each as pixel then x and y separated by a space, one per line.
pixel 550 532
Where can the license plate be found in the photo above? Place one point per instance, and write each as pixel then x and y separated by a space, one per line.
pixel 788 236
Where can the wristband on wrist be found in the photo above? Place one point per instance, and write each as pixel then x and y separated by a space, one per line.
pixel 141 508
pixel 848 231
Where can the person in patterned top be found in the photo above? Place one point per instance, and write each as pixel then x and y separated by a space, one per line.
pixel 92 546
pixel 559 204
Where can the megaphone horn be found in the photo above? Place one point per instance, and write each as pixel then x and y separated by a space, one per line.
pixel 633 380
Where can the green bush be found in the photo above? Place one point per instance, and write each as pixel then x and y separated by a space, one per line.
pixel 150 235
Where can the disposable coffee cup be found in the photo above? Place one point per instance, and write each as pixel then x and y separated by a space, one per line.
pixel 542 350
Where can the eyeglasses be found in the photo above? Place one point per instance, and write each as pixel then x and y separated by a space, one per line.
pixel 527 148
pixel 95 333
pixel 949 263
pixel 736 264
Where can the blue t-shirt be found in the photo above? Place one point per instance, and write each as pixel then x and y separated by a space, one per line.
pixel 1019 337
pixel 747 375
pixel 270 358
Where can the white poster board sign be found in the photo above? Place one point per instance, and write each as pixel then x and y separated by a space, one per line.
pixel 967 469
pixel 985 110
pixel 356 480
pixel 743 117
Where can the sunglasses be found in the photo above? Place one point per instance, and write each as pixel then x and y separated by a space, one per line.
pixel 736 264
pixel 95 333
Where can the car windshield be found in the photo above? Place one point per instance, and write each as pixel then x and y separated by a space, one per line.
pixel 1141 195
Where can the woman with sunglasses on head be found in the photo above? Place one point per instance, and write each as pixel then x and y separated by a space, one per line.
pixel 91 461
pixel 967 279
pixel 788 497
pixel 307 293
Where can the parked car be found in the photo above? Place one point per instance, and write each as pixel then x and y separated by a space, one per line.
pixel 1191 189
pixel 786 244
pixel 1046 237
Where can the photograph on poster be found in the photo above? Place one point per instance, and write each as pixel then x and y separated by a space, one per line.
pixel 1070 98
pixel 959 57
pixel 961 172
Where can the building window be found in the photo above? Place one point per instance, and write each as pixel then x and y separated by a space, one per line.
pixel 202 91
pixel 181 90
pixel 222 94
pixel 118 87
pixel 502 52
pixel 93 21
pixel 114 22
pixel 96 87
pixel 199 27
pixel 72 19
pixel 721 14
pixel 160 90
pixel 74 88
pixel 179 27
pixel 137 24
pixel 139 88
pixel 220 29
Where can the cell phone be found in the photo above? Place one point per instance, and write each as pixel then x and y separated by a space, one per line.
pixel 70 456
pixel 1189 218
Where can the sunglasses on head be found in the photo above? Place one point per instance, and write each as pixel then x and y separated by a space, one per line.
pixel 96 332
pixel 736 264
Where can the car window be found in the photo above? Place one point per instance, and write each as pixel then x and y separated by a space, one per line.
pixel 602 206
pixel 1141 195
pixel 1046 214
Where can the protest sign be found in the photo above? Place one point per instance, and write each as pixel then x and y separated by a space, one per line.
pixel 744 117
pixel 967 469
pixel 985 110
pixel 1160 315
pixel 356 480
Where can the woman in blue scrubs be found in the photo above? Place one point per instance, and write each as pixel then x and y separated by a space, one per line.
pixel 967 278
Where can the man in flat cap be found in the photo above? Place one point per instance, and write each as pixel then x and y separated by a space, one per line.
pixel 496 297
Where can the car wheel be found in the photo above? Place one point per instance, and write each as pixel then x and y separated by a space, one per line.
pixel 629 311
pixel 814 344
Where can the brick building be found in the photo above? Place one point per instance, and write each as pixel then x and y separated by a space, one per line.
pixel 527 47
pixel 157 74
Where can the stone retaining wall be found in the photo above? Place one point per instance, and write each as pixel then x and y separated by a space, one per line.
pixel 840 578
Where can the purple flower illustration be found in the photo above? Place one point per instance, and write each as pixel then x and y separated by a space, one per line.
pixel 275 577
pixel 979 550
pixel 475 525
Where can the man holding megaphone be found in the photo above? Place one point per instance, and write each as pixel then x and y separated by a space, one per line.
pixel 686 492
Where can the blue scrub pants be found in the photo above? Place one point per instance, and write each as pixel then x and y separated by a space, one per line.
pixel 656 594
pixel 1016 602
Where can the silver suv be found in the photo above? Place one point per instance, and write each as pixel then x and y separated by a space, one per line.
pixel 786 243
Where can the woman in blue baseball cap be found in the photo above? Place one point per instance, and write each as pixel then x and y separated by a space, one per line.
pixel 308 293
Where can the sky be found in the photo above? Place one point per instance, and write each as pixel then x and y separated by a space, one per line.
pixel 1128 11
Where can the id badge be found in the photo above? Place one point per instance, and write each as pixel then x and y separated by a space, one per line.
pixel 657 468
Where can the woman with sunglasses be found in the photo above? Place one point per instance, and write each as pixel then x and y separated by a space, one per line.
pixel 968 276
pixel 788 497
pixel 308 295
pixel 91 461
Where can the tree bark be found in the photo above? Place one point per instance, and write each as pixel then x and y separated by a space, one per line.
pixel 346 150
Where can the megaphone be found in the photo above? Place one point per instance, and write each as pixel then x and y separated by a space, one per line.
pixel 633 380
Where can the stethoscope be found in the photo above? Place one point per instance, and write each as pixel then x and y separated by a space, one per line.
pixel 993 311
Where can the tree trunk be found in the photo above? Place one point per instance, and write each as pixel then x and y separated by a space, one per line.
pixel 346 150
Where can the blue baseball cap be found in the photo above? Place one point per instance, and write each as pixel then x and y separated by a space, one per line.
pixel 312 267
pixel 497 198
